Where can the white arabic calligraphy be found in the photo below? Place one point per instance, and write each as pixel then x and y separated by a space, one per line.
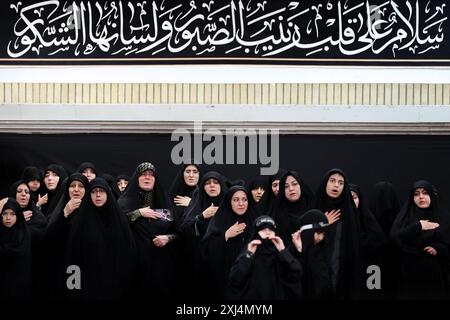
pixel 238 28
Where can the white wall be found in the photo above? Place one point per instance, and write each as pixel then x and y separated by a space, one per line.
pixel 223 74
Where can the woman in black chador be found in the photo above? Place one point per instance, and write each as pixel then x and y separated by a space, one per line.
pixel 260 193
pixel 294 198
pixel 100 243
pixel 54 175
pixel 75 192
pixel 265 270
pixel 384 204
pixel 343 239
pixel 15 253
pixel 203 207
pixel 421 230
pixel 34 218
pixel 374 242
pixel 154 228
pixel 183 187
pixel 228 233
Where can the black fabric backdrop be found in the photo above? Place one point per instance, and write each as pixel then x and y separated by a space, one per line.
pixel 365 159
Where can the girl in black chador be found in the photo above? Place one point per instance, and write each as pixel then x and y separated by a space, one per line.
pixel 293 199
pixel 15 253
pixel 155 230
pixel 310 250
pixel 265 270
pixel 343 239
pixel 228 233
pixel 421 230
pixel 101 244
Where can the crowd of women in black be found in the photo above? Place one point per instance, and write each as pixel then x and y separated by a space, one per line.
pixel 209 238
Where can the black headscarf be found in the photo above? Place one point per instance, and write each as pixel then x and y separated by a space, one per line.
pixel 38 221
pixel 15 256
pixel 384 204
pixel 219 253
pixel 48 208
pixel 180 188
pixel 201 200
pixel 86 165
pixel 264 204
pixel 112 184
pixel 135 198
pixel 31 173
pixel 346 254
pixel 286 212
pixel 373 238
pixel 101 244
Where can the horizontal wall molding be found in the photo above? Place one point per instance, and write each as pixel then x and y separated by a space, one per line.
pixel 67 127
pixel 348 94
pixel 289 119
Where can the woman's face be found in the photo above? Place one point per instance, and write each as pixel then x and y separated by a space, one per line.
pixel 422 198
pixel 76 190
pixel 257 194
pixel 275 186
pixel 239 202
pixel 355 199
pixel 191 175
pixel 212 187
pixel 23 195
pixel 89 173
pixel 147 180
pixel 9 218
pixel 122 184
pixel 292 189
pixel 51 180
pixel 335 185
pixel 99 196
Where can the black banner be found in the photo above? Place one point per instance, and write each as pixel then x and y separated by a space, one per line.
pixel 348 32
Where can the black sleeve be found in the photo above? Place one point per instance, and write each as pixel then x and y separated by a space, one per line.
pixel 407 233
pixel 241 269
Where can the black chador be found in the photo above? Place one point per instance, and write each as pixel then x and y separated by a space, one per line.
pixel 267 273
pixel 101 244
pixel 424 247
pixel 343 239
pixel 156 263
pixel 286 212
pixel 194 228
pixel 219 251
pixel 15 254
